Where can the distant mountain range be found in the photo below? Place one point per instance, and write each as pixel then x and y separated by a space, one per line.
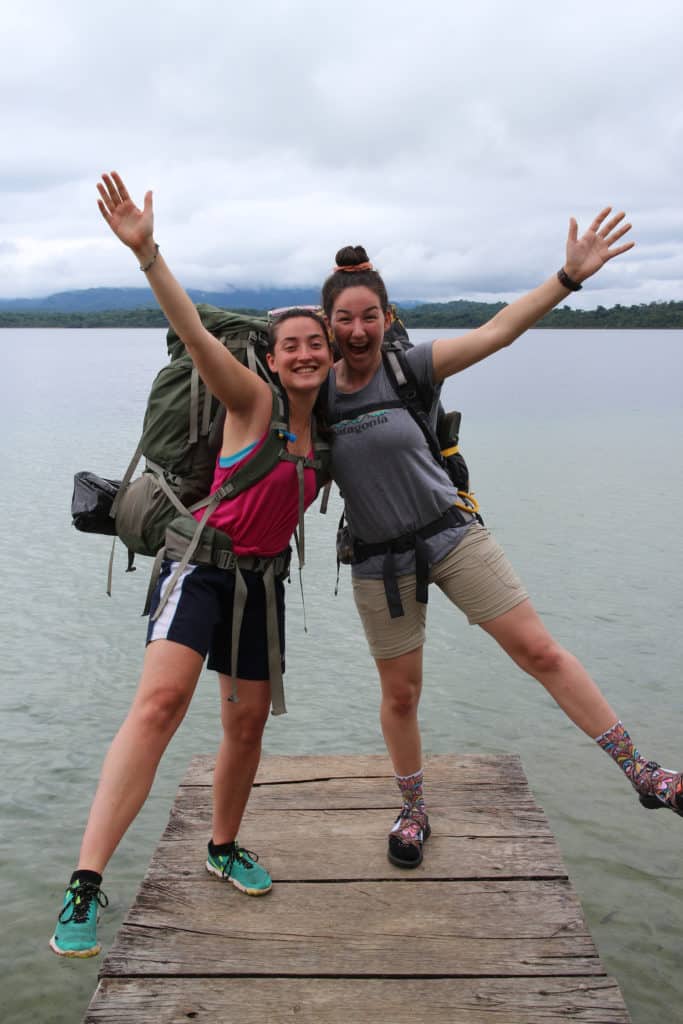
pixel 97 300
pixel 137 307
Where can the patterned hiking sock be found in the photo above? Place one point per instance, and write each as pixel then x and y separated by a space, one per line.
pixel 413 817
pixel 647 777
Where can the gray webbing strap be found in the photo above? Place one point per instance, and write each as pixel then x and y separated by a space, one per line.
pixel 111 567
pixel 154 576
pixel 206 412
pixel 301 542
pixel 194 405
pixel 257 366
pixel 224 491
pixel 166 487
pixel 251 356
pixel 396 368
pixel 184 561
pixel 127 476
pixel 301 580
pixel 277 688
pixel 238 606
pixel 301 462
pixel 275 568
pixel 325 497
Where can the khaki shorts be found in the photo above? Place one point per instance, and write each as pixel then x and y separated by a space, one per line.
pixel 476 576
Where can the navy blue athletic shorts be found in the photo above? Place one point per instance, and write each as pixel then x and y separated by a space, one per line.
pixel 198 614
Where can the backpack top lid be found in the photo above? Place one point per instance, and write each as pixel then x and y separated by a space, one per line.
pixel 235 330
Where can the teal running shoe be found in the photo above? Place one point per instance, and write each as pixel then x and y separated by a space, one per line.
pixel 239 867
pixel 76 931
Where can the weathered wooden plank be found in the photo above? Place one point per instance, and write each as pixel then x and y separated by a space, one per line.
pixel 516 817
pixel 358 928
pixel 360 852
pixel 592 1000
pixel 169 951
pixel 477 770
pixel 341 794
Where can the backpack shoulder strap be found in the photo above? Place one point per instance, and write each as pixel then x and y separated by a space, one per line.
pixel 416 401
pixel 255 468
pixel 442 438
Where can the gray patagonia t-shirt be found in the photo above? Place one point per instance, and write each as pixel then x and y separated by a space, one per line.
pixel 389 479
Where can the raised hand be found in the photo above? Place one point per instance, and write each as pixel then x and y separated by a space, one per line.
pixel 133 226
pixel 586 255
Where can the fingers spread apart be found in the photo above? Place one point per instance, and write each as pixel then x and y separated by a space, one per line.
pixel 611 231
pixel 113 192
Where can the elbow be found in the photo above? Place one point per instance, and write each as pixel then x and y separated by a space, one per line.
pixel 500 336
pixel 496 337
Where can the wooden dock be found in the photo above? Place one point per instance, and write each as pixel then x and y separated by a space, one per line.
pixel 487 930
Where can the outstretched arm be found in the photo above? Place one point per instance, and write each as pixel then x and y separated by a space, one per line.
pixel 585 256
pixel 232 383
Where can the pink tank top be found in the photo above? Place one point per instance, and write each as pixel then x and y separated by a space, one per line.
pixel 262 519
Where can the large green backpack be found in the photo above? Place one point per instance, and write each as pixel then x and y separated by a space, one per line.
pixel 182 434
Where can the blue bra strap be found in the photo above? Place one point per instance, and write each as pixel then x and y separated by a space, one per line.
pixel 225 461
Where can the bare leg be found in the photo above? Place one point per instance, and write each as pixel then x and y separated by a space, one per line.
pixel 169 676
pixel 239 753
pixel 523 636
pixel 401 681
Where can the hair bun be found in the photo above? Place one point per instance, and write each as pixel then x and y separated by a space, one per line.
pixel 351 256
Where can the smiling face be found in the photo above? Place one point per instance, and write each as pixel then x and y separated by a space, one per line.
pixel 301 355
pixel 359 323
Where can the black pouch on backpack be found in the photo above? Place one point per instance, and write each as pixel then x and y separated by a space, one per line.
pixel 91 503
pixel 344 544
pixel 448 431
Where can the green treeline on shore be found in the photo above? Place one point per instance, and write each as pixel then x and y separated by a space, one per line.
pixel 460 313
pixel 472 314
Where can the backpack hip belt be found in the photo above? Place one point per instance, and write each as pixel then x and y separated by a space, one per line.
pixel 407 542
pixel 215 548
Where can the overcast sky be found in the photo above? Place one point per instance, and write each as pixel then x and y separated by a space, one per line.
pixel 452 139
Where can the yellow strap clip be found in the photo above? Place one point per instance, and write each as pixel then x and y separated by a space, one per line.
pixel 473 504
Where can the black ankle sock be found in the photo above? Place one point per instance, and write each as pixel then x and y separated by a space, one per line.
pixel 86 876
pixel 220 848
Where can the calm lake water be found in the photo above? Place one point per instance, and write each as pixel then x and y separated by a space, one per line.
pixel 575 444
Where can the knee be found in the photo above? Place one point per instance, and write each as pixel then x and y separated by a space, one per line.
pixel 543 657
pixel 402 698
pixel 162 710
pixel 244 727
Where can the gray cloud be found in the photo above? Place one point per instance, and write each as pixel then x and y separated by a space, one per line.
pixel 454 143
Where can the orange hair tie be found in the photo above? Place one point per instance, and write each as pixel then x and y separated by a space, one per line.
pixel 354 269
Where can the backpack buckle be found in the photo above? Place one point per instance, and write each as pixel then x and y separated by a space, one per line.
pixel 225 559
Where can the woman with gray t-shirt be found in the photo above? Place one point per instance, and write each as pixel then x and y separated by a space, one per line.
pixel 410 526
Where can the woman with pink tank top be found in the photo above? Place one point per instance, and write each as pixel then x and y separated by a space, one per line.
pixel 196 617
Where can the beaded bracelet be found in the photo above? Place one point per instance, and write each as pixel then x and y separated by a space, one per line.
pixel 156 253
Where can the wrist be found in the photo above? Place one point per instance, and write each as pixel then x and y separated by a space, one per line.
pixel 569 280
pixel 146 253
